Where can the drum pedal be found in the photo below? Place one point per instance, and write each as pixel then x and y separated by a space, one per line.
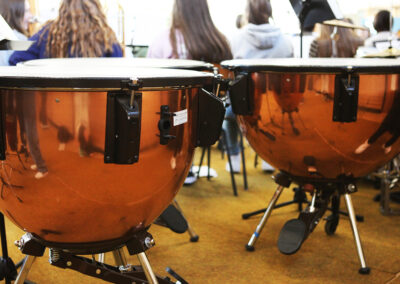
pixel 292 236
pixel 173 219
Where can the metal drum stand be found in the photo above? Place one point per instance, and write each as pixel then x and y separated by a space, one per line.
pixel 67 258
pixel 296 231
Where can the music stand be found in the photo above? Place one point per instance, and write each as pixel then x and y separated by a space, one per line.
pixel 311 12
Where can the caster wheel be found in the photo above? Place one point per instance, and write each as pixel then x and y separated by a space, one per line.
pixel 331 225
pixel 245 216
pixel 194 239
pixel 364 270
pixel 249 248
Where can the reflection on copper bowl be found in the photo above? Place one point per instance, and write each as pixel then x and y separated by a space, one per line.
pixel 292 123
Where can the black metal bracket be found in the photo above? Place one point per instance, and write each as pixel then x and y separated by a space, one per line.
pixel 124 275
pixel 140 242
pixel 210 118
pixel 29 245
pixel 123 125
pixel 345 103
pixel 240 91
pixel 165 125
pixel 312 218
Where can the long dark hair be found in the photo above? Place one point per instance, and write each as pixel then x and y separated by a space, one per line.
pixel 258 12
pixel 346 42
pixel 81 30
pixel 202 39
pixel 383 21
pixel 13 12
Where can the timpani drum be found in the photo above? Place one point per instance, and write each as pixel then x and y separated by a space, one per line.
pixel 116 145
pixel 319 118
pixel 68 123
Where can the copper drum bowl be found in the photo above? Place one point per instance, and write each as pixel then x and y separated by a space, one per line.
pixel 117 144
pixel 319 118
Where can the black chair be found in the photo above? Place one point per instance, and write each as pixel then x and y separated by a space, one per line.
pixel 225 147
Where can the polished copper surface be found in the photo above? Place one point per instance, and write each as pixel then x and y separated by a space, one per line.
pixel 81 199
pixel 292 126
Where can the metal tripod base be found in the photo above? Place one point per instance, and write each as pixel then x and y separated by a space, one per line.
pixel 344 188
pixel 121 274
pixel 352 217
pixel 132 273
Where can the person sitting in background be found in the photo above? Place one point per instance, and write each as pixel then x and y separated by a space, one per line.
pixel 257 39
pixel 343 43
pixel 382 24
pixel 17 15
pixel 80 30
pixel 192 35
pixel 79 22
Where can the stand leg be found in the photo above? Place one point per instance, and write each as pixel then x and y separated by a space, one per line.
pixel 230 164
pixel 148 271
pixel 299 198
pixel 385 193
pixel 364 269
pixel 4 247
pixel 246 187
pixel 256 234
pixel 283 204
pixel 208 162
pixel 193 236
pixel 119 257
pixel 26 267
pixel 203 152
pixel 101 257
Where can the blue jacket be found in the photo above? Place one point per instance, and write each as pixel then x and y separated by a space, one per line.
pixel 38 50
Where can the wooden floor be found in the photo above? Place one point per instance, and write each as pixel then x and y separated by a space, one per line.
pixel 220 255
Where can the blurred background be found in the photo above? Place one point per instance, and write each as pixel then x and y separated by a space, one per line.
pixel 138 22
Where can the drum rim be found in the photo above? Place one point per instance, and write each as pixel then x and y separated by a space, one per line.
pixel 101 79
pixel 195 65
pixel 98 84
pixel 275 65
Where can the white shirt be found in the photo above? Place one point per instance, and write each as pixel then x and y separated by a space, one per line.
pixel 379 37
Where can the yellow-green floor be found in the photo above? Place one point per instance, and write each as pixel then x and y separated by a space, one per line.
pixel 220 255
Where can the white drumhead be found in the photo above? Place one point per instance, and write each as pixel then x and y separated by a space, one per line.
pixel 362 65
pixel 120 62
pixel 99 72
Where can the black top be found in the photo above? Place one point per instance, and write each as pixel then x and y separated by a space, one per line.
pixel 316 65
pixel 99 78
